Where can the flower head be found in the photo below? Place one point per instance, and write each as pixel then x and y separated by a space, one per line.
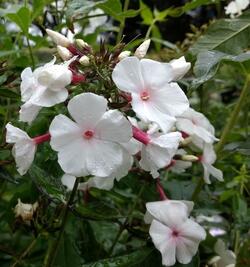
pixel 142 50
pixel 154 98
pixel 91 144
pixel 24 148
pixel 236 7
pixel 172 232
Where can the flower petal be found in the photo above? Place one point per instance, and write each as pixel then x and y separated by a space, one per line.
pixel 127 75
pixel 113 126
pixel 28 112
pixel 87 108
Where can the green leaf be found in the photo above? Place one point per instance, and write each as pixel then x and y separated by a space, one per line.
pixel 7 53
pixel 146 14
pixel 132 259
pixel 8 93
pixel 225 35
pixel 22 18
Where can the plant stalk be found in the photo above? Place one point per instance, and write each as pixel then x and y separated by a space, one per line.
pixel 55 246
pixel 122 25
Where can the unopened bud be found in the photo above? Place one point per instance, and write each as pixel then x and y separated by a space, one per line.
pixel 25 211
pixel 123 55
pixel 58 38
pixel 82 44
pixel 84 60
pixel 186 141
pixel 142 50
pixel 190 158
pixel 64 53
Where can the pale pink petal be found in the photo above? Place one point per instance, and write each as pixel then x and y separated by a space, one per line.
pixel 161 237
pixel 185 250
pixel 127 75
pixel 192 230
pixel 113 126
pixel 68 181
pixel 87 109
pixel 185 125
pixel 218 174
pixel 28 112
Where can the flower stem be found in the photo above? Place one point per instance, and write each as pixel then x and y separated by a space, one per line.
pixel 140 136
pixel 30 52
pixel 234 115
pixel 41 138
pixel 55 246
pixel 122 25
pixel 160 190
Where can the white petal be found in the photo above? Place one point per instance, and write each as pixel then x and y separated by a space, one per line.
pixel 114 126
pixel 28 112
pixel 180 67
pixel 68 181
pixel 180 166
pixel 15 134
pixel 132 146
pixel 215 172
pixel 161 236
pixel 192 230
pixel 185 251
pixel 104 183
pixel 28 84
pixel 63 131
pixel 103 157
pixel 209 155
pixel 47 98
pixel 87 108
pixel 127 162
pixel 185 125
pixel 127 75
pixel 170 213
pixel 170 99
pixel 155 74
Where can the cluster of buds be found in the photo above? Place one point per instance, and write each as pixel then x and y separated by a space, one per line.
pixel 102 143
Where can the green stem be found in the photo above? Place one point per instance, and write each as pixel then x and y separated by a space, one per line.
pixel 149 30
pixel 55 246
pixel 30 51
pixel 122 25
pixel 128 220
pixel 234 115
pixel 229 126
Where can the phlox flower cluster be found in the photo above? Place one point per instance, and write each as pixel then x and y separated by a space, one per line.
pixel 96 140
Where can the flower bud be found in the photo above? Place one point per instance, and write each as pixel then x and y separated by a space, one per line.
pixel 191 158
pixel 84 60
pixel 141 51
pixel 25 211
pixel 82 44
pixel 123 55
pixel 186 141
pixel 64 53
pixel 58 38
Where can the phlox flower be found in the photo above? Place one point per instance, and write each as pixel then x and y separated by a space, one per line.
pixel 236 7
pixel 207 159
pixel 45 87
pixel 196 124
pixel 175 235
pixel 225 258
pixel 24 148
pixel 91 144
pixel 180 67
pixel 154 97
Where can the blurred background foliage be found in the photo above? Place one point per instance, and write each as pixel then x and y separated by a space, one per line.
pixel 106 228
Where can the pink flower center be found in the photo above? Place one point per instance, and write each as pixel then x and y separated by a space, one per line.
pixel 175 233
pixel 144 96
pixel 88 134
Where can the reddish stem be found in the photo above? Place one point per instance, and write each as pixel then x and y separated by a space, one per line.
pixel 160 190
pixel 78 78
pixel 42 138
pixel 140 135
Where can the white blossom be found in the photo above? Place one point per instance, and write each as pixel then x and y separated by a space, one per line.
pixel 58 38
pixel 175 235
pixel 97 19
pixel 225 258
pixel 25 210
pixel 236 7
pixel 91 144
pixel 64 53
pixel 207 159
pixel 154 98
pixel 196 124
pixel 24 148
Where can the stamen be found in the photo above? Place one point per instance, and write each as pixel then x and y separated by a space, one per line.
pixel 88 134
pixel 144 96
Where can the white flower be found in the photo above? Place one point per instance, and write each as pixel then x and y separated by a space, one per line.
pixel 207 159
pixel 98 19
pixel 179 166
pixel 90 145
pixel 173 233
pixel 45 87
pixel 154 99
pixel 180 67
pixel 236 7
pixel 225 258
pixel 159 151
pixel 24 148
pixel 196 124
pixel 142 50
pixel 58 38
pixel 25 210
